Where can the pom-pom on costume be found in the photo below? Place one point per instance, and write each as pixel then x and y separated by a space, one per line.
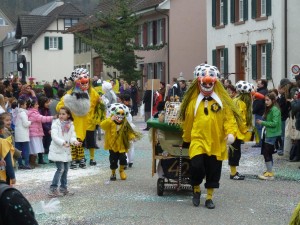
pixel 82 100
pixel 118 134
pixel 243 101
pixel 209 120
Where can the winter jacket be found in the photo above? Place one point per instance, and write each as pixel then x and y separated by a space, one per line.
pixel 57 152
pixel 22 126
pixel 258 106
pixel 36 128
pixel 273 123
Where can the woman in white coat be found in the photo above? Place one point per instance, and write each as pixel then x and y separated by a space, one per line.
pixel 63 135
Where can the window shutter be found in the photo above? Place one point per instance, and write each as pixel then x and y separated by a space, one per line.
pixel 60 43
pixel 232 11
pixel 163 23
pixel 253 9
pixel 214 57
pixel 46 43
pixel 155 71
pixel 226 61
pixel 213 13
pixel 254 63
pixel 269 61
pixel 163 72
pixel 154 27
pixel 269 7
pixel 245 7
pixel 145 40
pixel 225 12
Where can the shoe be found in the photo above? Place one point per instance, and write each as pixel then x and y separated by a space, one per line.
pixel 130 165
pixel 42 162
pixel 93 162
pixel 209 204
pixel 280 152
pixel 22 167
pixel 266 176
pixel 82 164
pixel 73 165
pixel 54 193
pixel 196 198
pixel 65 192
pixel 123 175
pixel 96 146
pixel 113 177
pixel 237 176
pixel 147 128
pixel 295 159
pixel 256 146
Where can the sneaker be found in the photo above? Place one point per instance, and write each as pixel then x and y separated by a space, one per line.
pixel 73 165
pixel 266 176
pixel 65 192
pixel 93 162
pixel 54 193
pixel 196 198
pixel 209 204
pixel 237 176
pixel 130 165
pixel 280 152
pixel 82 164
pixel 113 177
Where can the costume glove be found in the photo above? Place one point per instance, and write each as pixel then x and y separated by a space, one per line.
pixel 230 139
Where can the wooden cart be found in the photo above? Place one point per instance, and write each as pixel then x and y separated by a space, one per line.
pixel 169 160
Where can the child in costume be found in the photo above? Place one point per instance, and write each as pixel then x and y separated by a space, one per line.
pixel 272 124
pixel 243 101
pixel 63 135
pixel 118 134
pixel 209 122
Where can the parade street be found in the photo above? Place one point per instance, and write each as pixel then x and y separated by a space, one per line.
pixel 97 200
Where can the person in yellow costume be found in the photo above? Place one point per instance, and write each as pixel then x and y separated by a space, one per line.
pixel 118 134
pixel 82 100
pixel 243 101
pixel 209 122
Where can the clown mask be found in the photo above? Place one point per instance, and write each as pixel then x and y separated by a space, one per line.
pixel 82 82
pixel 120 111
pixel 206 76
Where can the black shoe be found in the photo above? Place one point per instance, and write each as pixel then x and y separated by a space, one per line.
pixel 295 160
pixel 113 177
pixel 147 128
pixel 82 164
pixel 42 162
pixel 73 165
pixel 280 152
pixel 209 204
pixel 130 165
pixel 237 176
pixel 196 198
pixel 256 146
pixel 93 162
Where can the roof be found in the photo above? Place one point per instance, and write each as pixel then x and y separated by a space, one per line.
pixel 106 6
pixel 10 16
pixel 32 26
pixel 46 9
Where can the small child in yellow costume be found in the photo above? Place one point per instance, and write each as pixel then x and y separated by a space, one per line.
pixel 118 134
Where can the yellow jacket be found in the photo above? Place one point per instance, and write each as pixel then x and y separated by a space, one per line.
pixel 207 133
pixel 5 147
pixel 83 123
pixel 242 130
pixel 112 140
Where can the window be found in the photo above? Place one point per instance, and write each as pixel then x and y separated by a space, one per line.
pixel 150 71
pixel 219 13
pixel 53 43
pixel 2 22
pixel 159 70
pixel 140 36
pixel 70 22
pixel 263 61
pixel 261 56
pixel 159 32
pixel 260 9
pixel 220 59
pixel 238 11
pixel 150 33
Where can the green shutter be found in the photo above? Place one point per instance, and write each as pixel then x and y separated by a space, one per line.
pixel 254 63
pixel 226 61
pixel 232 11
pixel 214 57
pixel 213 13
pixel 60 43
pixel 46 43
pixel 253 9
pixel 269 61
pixel 245 7
pixel 225 12
pixel 269 8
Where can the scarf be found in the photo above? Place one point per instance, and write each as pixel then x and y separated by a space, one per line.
pixel 65 126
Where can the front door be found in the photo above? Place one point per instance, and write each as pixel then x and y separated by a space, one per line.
pixel 240 54
pixel 97 66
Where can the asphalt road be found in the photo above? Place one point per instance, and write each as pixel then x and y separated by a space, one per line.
pixel 135 201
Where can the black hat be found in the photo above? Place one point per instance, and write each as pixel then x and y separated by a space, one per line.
pixel 284 82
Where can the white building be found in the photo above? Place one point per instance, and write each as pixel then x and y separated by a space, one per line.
pixel 253 39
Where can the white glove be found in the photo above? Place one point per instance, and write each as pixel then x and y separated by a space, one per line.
pixel 230 139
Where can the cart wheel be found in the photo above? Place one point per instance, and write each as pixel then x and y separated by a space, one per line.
pixel 160 186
